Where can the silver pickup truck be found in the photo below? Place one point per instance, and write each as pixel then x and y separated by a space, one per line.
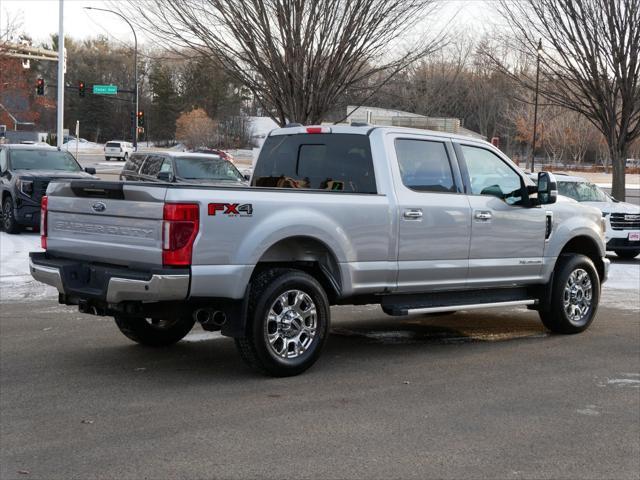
pixel 412 220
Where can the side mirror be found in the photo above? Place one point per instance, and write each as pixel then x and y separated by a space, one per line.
pixel 547 188
pixel 165 177
pixel 90 170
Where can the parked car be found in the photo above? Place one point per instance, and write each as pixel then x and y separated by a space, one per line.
pixel 622 219
pixel 118 150
pixel 181 168
pixel 25 173
pixel 413 220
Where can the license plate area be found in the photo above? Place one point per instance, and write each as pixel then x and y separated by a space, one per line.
pixel 634 236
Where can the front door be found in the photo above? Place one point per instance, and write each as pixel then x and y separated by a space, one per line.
pixel 507 236
pixel 434 216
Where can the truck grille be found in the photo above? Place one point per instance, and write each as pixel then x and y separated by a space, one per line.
pixel 625 221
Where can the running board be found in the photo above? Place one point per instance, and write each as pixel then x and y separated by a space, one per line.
pixel 471 306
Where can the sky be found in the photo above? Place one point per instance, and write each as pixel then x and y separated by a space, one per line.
pixel 40 18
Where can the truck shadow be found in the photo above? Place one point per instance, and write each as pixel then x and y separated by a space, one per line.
pixel 204 357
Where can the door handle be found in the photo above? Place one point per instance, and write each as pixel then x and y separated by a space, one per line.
pixel 413 214
pixel 483 215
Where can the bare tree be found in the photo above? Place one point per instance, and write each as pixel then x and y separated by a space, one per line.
pixel 591 63
pixel 297 57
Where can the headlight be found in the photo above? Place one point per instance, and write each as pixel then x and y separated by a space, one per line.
pixel 25 186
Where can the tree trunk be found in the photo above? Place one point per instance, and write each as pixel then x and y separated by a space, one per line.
pixel 618 160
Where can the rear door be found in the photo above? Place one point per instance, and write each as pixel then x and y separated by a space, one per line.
pixel 507 236
pixel 434 213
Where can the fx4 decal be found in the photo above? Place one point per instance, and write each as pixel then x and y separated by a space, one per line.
pixel 231 209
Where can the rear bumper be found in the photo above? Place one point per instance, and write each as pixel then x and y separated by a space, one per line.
pixel 78 280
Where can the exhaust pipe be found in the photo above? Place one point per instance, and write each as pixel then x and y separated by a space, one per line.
pixel 210 318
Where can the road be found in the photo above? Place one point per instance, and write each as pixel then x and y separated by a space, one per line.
pixel 485 394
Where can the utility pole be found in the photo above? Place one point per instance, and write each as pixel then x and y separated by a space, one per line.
pixel 60 112
pixel 535 109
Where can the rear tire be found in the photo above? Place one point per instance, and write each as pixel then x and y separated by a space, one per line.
pixel 155 333
pixel 9 223
pixel 575 295
pixel 287 323
pixel 627 254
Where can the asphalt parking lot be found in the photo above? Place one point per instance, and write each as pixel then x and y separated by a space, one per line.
pixel 484 394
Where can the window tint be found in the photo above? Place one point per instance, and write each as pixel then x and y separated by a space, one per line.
pixel 134 162
pixel 424 165
pixel 112 144
pixel 337 162
pixel 490 175
pixel 152 166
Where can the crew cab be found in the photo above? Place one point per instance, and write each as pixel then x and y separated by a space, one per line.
pixel 413 220
pixel 25 173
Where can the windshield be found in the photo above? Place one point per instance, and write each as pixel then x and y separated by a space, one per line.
pixel 43 160
pixel 582 192
pixel 206 168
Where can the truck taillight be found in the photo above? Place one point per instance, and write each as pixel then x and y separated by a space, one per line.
pixel 43 221
pixel 318 129
pixel 180 225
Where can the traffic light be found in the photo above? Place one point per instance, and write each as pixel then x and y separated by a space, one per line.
pixel 40 86
pixel 81 88
pixel 141 118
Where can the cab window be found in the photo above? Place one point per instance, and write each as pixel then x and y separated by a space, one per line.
pixel 424 165
pixel 490 175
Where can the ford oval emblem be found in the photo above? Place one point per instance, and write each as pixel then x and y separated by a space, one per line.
pixel 98 207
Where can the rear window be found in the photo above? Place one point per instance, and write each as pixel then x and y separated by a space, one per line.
pixel 112 144
pixel 336 162
pixel 134 162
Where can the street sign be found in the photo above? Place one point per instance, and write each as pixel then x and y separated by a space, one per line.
pixel 105 89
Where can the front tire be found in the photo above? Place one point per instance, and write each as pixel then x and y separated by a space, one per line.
pixel 155 332
pixel 627 254
pixel 575 296
pixel 9 223
pixel 287 323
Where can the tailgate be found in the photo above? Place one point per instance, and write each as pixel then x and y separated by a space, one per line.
pixel 111 222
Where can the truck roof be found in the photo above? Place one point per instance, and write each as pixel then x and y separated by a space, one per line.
pixel 366 130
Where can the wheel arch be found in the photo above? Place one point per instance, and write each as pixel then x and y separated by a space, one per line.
pixel 308 254
pixel 585 245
